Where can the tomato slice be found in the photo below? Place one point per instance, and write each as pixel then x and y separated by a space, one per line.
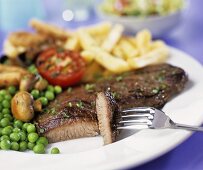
pixel 63 68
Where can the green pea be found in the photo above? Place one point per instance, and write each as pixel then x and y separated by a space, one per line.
pixel 35 93
pixel 50 88
pixel 12 90
pixel 31 128
pixel 39 148
pixel 25 125
pixel 5 144
pixel 4 137
pixel 49 95
pixel 43 141
pixel 17 130
pixel 30 145
pixel 23 146
pixel 4 122
pixel 43 100
pixel 22 136
pixel 18 124
pixel 55 151
pixel 57 89
pixel 6 104
pixel 3 92
pixel 8 97
pixel 15 146
pixel 6 111
pixel 32 69
pixel 15 137
pixel 8 116
pixel 32 137
pixel 7 130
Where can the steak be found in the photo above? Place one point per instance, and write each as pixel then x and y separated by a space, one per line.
pixel 73 113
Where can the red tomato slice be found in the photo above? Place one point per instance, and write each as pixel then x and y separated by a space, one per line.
pixel 64 68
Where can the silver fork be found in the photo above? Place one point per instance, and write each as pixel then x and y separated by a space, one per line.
pixel 153 118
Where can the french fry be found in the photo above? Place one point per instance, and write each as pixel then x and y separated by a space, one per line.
pixel 100 39
pixel 10 78
pixel 85 39
pixel 143 40
pixel 113 37
pixel 99 29
pixel 15 69
pixel 49 30
pixel 128 50
pixel 72 43
pixel 132 41
pixel 158 55
pixel 111 63
pixel 12 51
pixel 87 55
pixel 157 44
pixel 117 52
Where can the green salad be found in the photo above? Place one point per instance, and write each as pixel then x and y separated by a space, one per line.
pixel 141 7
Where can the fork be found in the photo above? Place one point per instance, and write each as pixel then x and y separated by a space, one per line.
pixel 152 117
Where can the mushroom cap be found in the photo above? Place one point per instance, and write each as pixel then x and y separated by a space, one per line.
pixel 22 106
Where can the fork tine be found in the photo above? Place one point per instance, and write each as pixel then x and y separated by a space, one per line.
pixel 130 127
pixel 138 115
pixel 139 110
pixel 136 121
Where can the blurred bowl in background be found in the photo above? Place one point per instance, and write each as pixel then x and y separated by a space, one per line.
pixel 158 25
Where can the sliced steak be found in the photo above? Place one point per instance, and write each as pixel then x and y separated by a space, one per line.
pixel 73 113
pixel 108 116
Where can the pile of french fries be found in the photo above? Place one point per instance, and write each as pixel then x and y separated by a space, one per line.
pixel 105 45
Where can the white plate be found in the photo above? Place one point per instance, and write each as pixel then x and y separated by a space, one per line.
pixel 88 153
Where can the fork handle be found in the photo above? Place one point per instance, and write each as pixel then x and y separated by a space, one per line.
pixel 187 127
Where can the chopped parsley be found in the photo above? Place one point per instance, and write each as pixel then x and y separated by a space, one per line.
pixel 163 86
pixel 69 90
pixel 65 115
pixel 79 104
pixel 115 95
pixel 119 78
pixel 155 91
pixel 41 130
pixel 52 111
pixel 70 104
pixel 90 87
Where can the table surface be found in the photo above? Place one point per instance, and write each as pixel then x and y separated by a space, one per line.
pixel 189 38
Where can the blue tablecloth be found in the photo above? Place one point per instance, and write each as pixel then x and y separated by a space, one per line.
pixel 189 38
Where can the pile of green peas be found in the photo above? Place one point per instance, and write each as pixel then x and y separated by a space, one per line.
pixel 15 134
pixel 46 95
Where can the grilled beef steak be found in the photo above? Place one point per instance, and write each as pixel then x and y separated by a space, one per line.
pixel 73 113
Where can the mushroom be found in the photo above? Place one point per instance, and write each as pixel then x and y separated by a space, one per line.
pixel 37 105
pixel 27 82
pixel 23 106
pixel 41 84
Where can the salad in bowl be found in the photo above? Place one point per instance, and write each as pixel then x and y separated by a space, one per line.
pixel 159 16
